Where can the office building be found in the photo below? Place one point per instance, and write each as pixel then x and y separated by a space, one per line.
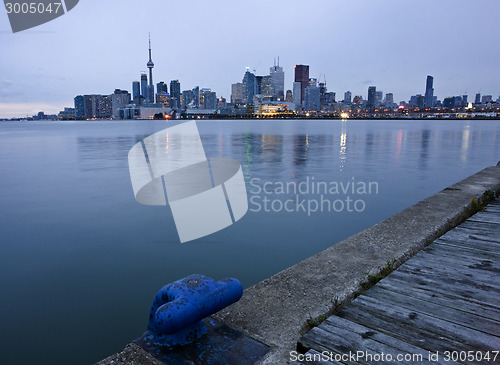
pixel 302 76
pixel 347 97
pixel 136 89
pixel 161 87
pixel 312 99
pixel 478 99
pixel 175 94
pixel 144 86
pixel 277 81
pixel 429 92
pixel 249 87
pixel 237 93
pixel 208 99
pixel 119 99
pixel 297 93
pixel 372 92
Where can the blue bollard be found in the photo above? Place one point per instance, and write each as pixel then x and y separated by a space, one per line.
pixel 178 309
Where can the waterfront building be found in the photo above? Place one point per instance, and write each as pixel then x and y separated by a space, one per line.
pixel 175 94
pixel 297 93
pixel 79 107
pixel 417 101
pixel 277 81
pixel 67 114
pixel 119 99
pixel 302 76
pixel 347 97
pixel 289 96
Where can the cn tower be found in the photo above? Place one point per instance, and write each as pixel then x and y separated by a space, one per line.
pixel 150 66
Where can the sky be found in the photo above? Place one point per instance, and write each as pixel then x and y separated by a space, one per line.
pixel 100 46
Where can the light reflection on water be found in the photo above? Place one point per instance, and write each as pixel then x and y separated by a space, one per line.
pixel 81 256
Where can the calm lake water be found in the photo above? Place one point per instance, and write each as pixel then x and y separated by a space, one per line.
pixel 81 260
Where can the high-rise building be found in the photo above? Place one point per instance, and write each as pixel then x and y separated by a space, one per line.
pixel 249 87
pixel 237 93
pixel 302 76
pixel 289 96
pixel 119 99
pixel 208 99
pixel 187 98
pixel 136 89
pixel 144 86
pixel 429 92
pixel 478 99
pixel 79 107
pixel 175 94
pixel 278 81
pixel 297 93
pixel 151 88
pixel 389 100
pixel 347 97
pixel 372 93
pixel 486 99
pixel 161 87
pixel 312 99
pixel 196 97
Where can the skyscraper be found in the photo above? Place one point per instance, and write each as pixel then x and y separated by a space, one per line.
pixel 372 92
pixel 429 92
pixel 136 89
pixel 144 86
pixel 175 94
pixel 161 87
pixel 297 93
pixel 151 89
pixel 237 93
pixel 302 76
pixel 347 97
pixel 478 99
pixel 278 81
pixel 249 87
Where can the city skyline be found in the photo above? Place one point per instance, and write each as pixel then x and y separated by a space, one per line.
pixel 359 45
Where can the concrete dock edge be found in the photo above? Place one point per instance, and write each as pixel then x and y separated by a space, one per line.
pixel 275 311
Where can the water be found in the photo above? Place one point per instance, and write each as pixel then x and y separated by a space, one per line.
pixel 81 260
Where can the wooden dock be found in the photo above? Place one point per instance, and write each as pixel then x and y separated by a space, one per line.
pixel 440 307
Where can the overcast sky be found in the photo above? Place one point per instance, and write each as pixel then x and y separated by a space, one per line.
pixel 393 44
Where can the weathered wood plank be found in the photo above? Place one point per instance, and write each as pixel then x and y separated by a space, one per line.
pixel 446 313
pixel 470 293
pixel 416 327
pixel 465 290
pixel 444 299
